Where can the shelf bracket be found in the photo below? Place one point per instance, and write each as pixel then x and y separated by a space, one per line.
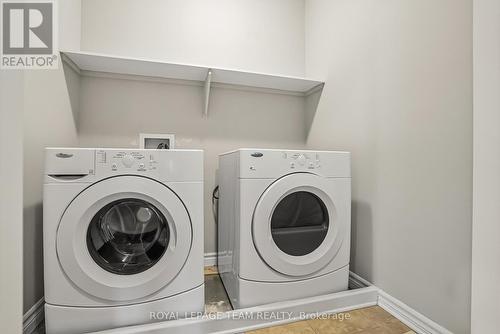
pixel 208 81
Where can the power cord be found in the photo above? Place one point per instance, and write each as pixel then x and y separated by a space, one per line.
pixel 215 204
pixel 165 146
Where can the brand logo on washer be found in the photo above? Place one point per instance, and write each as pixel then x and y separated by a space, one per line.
pixel 257 154
pixel 64 155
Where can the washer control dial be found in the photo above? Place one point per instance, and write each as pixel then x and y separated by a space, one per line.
pixel 128 160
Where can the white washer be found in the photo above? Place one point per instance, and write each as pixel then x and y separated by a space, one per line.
pixel 123 236
pixel 284 224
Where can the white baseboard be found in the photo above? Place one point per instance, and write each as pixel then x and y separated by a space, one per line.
pixel 210 259
pixel 410 317
pixel 33 317
pixel 357 282
pixel 404 313
pixel 240 321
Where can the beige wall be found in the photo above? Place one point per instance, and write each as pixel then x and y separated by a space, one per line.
pixel 113 112
pixel 255 35
pixel 225 34
pixel 11 205
pixel 70 24
pixel 486 227
pixel 48 121
pixel 398 95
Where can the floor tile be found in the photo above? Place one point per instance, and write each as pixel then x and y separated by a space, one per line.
pixel 372 320
pixel 211 270
pixel 386 320
pixel 216 299
pixel 300 327
pixel 349 322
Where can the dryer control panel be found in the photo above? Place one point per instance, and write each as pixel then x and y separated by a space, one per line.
pixel 300 160
pixel 267 163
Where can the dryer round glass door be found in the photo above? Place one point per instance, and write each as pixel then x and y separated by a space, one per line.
pixel 124 238
pixel 299 223
pixel 297 226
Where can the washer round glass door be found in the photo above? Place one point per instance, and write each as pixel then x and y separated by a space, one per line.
pixel 124 238
pixel 128 236
pixel 295 226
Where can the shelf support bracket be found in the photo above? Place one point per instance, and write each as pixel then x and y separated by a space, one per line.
pixel 208 81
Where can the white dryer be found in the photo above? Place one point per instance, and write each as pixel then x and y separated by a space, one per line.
pixel 123 236
pixel 284 224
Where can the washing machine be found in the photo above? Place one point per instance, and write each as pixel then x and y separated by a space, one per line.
pixel 284 224
pixel 123 237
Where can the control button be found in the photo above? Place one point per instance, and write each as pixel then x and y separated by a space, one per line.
pixel 301 160
pixel 141 166
pixel 114 167
pixel 292 164
pixel 252 168
pixel 101 157
pixel 128 160
pixel 311 165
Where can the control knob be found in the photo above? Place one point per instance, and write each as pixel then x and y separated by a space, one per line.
pixel 128 160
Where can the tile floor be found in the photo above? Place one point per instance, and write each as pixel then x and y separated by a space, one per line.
pixel 216 299
pixel 211 270
pixel 371 320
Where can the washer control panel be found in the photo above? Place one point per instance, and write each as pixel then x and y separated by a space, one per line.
pixel 126 161
pixel 302 160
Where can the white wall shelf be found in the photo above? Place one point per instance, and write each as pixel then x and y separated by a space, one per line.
pixel 95 62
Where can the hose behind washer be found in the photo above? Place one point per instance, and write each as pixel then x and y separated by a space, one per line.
pixel 215 204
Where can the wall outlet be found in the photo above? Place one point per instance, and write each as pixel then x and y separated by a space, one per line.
pixel 157 141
